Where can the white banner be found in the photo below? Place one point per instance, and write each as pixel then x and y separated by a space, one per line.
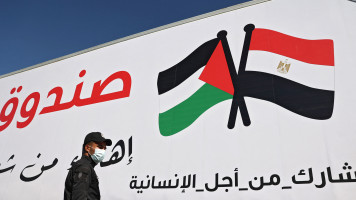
pixel 188 115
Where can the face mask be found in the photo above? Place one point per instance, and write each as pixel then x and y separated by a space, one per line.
pixel 98 155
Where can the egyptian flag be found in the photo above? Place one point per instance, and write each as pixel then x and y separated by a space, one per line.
pixel 184 93
pixel 295 73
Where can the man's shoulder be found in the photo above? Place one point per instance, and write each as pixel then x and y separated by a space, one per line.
pixel 82 165
pixel 87 169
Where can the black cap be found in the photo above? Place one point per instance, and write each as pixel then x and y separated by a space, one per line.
pixel 96 137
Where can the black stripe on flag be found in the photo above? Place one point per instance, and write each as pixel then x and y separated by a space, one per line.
pixel 303 100
pixel 172 77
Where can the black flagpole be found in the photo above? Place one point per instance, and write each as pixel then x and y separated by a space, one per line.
pixel 242 67
pixel 238 98
pixel 233 75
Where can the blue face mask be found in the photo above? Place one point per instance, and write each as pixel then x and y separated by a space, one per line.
pixel 98 155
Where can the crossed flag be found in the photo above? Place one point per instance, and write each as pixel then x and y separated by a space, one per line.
pixel 208 76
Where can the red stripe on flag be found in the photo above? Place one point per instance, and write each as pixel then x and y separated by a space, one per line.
pixel 320 52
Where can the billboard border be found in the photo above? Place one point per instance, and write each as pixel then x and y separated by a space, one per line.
pixel 160 28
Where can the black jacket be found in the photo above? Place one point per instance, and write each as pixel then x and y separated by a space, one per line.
pixel 82 182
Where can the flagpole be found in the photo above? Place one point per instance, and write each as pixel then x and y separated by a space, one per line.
pixel 248 29
pixel 238 100
pixel 242 67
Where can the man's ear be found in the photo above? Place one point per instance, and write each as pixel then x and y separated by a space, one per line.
pixel 87 148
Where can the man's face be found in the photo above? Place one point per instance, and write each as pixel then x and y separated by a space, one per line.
pixel 94 145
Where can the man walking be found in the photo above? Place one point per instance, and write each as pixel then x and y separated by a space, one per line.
pixel 82 182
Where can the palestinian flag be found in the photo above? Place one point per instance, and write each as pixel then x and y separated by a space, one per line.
pixel 192 86
pixel 295 73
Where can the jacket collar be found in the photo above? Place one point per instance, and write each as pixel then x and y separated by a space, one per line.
pixel 89 160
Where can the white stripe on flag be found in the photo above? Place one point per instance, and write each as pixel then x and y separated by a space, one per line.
pixel 315 76
pixel 180 93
